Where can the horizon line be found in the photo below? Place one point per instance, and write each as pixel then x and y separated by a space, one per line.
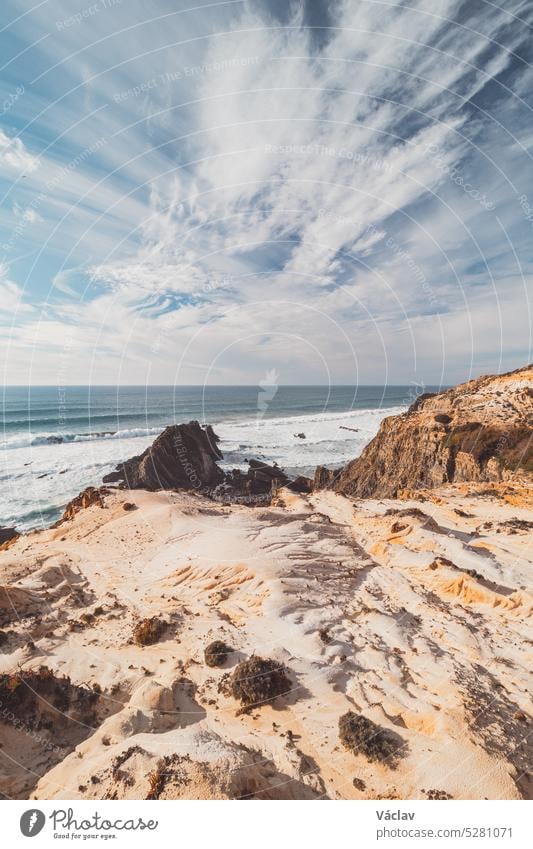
pixel 212 385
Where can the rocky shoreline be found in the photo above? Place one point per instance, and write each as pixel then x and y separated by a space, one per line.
pixel 187 633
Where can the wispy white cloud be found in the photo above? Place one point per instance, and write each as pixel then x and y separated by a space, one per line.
pixel 11 303
pixel 244 183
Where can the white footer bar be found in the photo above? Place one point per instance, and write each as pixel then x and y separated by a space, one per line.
pixel 268 825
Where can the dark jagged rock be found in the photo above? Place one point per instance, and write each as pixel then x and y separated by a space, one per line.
pixel 325 478
pixel 263 475
pixel 253 487
pixel 8 536
pixel 182 457
pixel 301 484
pixel 477 431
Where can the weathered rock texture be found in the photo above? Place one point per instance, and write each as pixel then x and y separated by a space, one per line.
pixel 91 495
pixel 185 457
pixel 405 649
pixel 253 487
pixel 325 478
pixel 182 457
pixel 7 537
pixel 477 431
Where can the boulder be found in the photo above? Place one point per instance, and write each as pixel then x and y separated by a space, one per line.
pixel 263 476
pixel 301 484
pixel 8 536
pixel 91 495
pixel 253 487
pixel 182 457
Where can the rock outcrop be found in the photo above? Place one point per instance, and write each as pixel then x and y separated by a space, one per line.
pixel 185 457
pixel 182 457
pixel 91 495
pixel 477 431
pixel 253 487
pixel 325 478
pixel 7 537
pixel 301 484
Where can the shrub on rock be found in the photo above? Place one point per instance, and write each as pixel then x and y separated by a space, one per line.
pixel 364 737
pixel 148 631
pixel 216 653
pixel 259 680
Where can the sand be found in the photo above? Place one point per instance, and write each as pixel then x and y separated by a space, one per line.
pixel 419 620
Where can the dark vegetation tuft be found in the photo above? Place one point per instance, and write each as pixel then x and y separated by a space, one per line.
pixel 363 737
pixel 148 631
pixel 216 653
pixel 259 680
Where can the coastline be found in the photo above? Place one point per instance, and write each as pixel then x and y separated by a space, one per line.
pixel 41 474
pixel 198 634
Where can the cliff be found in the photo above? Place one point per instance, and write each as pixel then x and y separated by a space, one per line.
pixel 477 431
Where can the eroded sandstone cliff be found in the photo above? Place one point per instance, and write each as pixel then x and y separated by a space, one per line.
pixel 477 431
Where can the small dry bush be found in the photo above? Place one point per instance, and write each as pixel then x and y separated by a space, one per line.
pixel 216 653
pixel 363 737
pixel 148 631
pixel 156 780
pixel 259 680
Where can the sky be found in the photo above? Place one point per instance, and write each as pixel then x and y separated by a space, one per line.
pixel 211 193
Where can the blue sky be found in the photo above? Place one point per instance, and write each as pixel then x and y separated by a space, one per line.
pixel 338 191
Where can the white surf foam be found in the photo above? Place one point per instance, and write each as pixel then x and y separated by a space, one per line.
pixel 39 477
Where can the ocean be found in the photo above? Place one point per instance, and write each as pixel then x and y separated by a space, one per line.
pixel 56 441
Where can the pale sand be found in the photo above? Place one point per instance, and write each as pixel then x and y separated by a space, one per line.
pixel 416 644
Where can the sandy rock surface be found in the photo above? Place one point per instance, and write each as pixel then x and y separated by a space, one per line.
pixel 413 613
